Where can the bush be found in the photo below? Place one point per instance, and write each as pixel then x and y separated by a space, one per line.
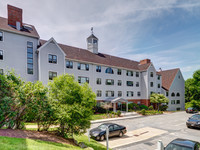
pixel 133 106
pixel 143 112
pixel 144 107
pixel 163 107
pixel 118 113
pixel 98 109
pixel 151 107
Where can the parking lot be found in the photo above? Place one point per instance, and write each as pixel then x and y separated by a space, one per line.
pixel 144 132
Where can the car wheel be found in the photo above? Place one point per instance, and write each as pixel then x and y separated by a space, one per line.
pixel 102 138
pixel 189 126
pixel 98 138
pixel 121 134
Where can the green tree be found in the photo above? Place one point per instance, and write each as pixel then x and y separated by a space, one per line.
pixel 158 99
pixel 73 104
pixel 9 100
pixel 192 87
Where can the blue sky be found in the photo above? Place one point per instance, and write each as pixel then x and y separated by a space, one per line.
pixel 166 31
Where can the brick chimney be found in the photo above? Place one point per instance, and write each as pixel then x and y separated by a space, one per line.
pixel 145 61
pixel 15 17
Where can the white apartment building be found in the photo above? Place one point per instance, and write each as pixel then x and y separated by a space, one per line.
pixel 109 76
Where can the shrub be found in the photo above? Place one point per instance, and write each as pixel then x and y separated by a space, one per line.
pixel 133 106
pixel 151 107
pixel 163 107
pixel 118 113
pixel 144 107
pixel 143 111
pixel 98 109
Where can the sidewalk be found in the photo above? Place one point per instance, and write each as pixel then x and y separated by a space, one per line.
pixel 125 116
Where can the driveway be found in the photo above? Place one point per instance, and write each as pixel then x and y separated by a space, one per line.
pixel 164 127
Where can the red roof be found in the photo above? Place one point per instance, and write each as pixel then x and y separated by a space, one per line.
pixel 100 58
pixel 4 26
pixel 168 77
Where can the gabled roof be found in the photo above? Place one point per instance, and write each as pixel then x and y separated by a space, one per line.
pixel 84 55
pixel 5 27
pixel 168 77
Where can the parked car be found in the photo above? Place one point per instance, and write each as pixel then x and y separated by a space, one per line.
pixel 191 110
pixel 183 144
pixel 99 133
pixel 193 121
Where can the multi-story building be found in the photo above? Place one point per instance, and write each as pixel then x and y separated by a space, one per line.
pixel 109 76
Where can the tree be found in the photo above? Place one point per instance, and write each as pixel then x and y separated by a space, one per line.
pixel 192 87
pixel 107 106
pixel 158 99
pixel 73 104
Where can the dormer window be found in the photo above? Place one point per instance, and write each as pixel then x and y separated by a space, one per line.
pixel 1 36
pixel 109 70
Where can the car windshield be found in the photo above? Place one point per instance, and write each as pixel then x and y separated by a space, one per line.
pixel 177 147
pixel 102 127
pixel 196 117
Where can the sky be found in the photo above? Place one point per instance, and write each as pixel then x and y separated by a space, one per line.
pixel 165 31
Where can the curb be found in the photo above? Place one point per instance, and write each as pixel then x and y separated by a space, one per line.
pixel 115 119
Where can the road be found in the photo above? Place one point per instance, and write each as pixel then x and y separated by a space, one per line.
pixel 173 124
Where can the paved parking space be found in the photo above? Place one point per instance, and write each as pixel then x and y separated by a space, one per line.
pixel 134 136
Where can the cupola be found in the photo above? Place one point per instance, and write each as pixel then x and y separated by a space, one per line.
pixel 92 43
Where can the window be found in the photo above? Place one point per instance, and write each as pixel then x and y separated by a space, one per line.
pixel 167 93
pixel 83 79
pixel 98 80
pixel 69 64
pixel 94 41
pixel 1 71
pixel 119 93
pixel 99 93
pixel 173 94
pixel 129 83
pixel 1 36
pixel 29 57
pixel 109 71
pixel 52 75
pixel 178 108
pixel 158 77
pixel 83 66
pixel 179 77
pixel 119 71
pixel 172 101
pixel 129 93
pixel 151 92
pixel 138 94
pixel 178 101
pixel 151 74
pixel 52 59
pixel 109 82
pixel 116 127
pixel 137 84
pixel 178 94
pixel 109 93
pixel 98 68
pixel 129 73
pixel 1 55
pixel 119 83
pixel 158 85
pixel 151 84
pixel 137 74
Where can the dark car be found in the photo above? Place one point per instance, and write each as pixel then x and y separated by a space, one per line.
pixel 194 121
pixel 183 144
pixel 191 110
pixel 99 133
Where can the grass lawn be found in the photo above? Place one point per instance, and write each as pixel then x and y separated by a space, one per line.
pixel 8 143
pixel 103 116
pixel 94 144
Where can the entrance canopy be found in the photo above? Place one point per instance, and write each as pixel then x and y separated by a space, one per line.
pixel 117 100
